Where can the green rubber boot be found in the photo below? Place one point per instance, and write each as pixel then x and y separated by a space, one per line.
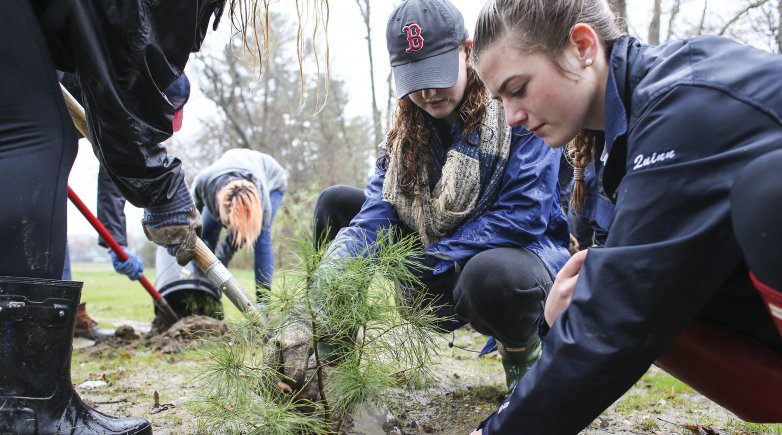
pixel 517 360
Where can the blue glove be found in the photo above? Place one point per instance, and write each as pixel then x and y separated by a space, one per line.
pixel 133 267
pixel 175 226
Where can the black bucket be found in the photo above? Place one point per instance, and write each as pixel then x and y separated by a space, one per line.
pixel 186 288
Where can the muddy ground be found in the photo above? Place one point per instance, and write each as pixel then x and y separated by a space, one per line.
pixel 153 376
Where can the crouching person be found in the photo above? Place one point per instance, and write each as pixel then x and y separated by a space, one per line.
pixel 481 196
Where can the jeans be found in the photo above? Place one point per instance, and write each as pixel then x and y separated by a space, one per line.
pixel 66 270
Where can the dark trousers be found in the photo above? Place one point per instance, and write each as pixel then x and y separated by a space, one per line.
pixel 37 149
pixel 500 292
pixel 756 211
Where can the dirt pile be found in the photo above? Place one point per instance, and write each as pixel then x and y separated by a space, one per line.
pixel 184 332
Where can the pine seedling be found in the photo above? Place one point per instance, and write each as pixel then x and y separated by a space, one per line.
pixel 355 306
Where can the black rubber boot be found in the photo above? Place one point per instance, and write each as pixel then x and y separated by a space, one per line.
pixel 37 317
pixel 517 360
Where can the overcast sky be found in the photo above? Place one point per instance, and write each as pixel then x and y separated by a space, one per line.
pixel 349 62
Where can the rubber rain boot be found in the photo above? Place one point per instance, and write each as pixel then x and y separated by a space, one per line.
pixel 87 327
pixel 517 360
pixel 37 318
pixel 773 300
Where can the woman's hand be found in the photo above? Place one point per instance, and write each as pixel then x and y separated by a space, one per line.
pixel 562 290
pixel 477 432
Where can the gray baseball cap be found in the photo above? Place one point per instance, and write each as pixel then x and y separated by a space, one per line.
pixel 423 38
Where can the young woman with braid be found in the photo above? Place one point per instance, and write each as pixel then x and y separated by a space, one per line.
pixel 241 192
pixel 685 140
pixel 482 196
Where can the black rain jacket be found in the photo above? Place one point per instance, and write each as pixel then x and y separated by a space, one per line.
pixel 126 53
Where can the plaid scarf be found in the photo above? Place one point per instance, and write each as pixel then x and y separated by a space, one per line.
pixel 469 181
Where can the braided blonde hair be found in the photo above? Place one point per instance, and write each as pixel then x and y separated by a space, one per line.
pixel 579 153
pixel 244 215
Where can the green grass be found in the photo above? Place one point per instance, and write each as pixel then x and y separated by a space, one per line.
pixel 113 299
pixel 657 387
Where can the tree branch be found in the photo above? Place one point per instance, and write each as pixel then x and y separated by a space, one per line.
pixel 703 17
pixel 740 14
pixel 674 13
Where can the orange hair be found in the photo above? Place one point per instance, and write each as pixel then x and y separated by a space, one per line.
pixel 244 214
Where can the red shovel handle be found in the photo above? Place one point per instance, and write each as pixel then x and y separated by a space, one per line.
pixel 109 239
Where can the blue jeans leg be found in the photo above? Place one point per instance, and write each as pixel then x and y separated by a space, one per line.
pixel 210 229
pixel 263 250
pixel 66 270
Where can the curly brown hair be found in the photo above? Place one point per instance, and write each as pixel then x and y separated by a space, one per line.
pixel 411 136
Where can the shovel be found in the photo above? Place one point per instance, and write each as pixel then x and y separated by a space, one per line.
pixel 160 302
pixel 204 258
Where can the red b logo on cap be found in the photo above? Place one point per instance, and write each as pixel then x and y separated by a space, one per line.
pixel 414 37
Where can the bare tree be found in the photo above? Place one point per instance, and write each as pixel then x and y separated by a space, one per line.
pixel 742 12
pixel 310 136
pixel 756 22
pixel 654 25
pixel 674 13
pixel 366 14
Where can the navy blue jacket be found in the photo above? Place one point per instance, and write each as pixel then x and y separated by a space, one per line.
pixel 682 120
pixel 526 213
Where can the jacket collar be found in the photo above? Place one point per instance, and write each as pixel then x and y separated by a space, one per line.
pixel 616 95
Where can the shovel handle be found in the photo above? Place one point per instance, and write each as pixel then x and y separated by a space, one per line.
pixel 78 115
pixel 221 277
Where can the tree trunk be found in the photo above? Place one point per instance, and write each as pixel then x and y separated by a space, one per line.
pixel 654 26
pixel 620 9
pixel 363 5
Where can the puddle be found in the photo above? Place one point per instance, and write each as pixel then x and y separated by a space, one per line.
pixel 370 421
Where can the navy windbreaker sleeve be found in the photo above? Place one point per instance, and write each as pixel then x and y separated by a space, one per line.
pixel 375 215
pixel 520 215
pixel 669 250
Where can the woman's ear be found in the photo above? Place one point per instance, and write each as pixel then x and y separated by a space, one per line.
pixel 586 43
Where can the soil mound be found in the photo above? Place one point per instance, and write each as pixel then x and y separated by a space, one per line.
pixel 184 332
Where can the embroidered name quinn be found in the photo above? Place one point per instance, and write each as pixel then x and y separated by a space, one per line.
pixel 642 161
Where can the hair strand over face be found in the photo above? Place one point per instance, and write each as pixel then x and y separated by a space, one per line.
pixel 411 136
